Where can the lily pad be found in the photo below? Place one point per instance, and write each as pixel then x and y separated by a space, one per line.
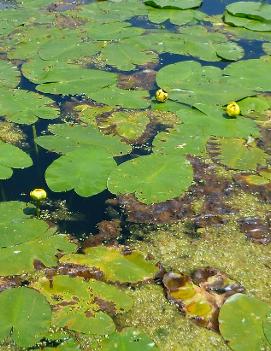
pixel 22 258
pixel 179 18
pixel 25 316
pixel 128 125
pixel 9 74
pixel 154 178
pixel 68 138
pixel 12 157
pixel 17 227
pixel 249 9
pixel 241 323
pixel 175 4
pixel 25 107
pixel 127 54
pixel 85 171
pixel 256 107
pixel 248 23
pixel 128 339
pixel 238 154
pixel 115 266
pixel 66 79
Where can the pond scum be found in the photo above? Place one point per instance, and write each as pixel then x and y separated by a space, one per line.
pixel 160 115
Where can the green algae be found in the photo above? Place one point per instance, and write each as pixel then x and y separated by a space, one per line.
pixel 222 247
pixel 164 324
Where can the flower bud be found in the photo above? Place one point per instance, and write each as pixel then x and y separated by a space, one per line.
pixel 38 194
pixel 161 95
pixel 233 109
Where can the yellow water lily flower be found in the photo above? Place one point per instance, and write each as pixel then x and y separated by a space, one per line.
pixel 161 95
pixel 38 194
pixel 233 109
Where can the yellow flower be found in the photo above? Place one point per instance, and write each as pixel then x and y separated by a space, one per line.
pixel 161 95
pixel 38 194
pixel 233 109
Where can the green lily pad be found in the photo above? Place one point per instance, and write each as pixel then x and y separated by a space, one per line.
pixel 262 177
pixel 68 345
pixel 267 327
pixel 128 125
pixel 241 323
pixel 68 138
pixel 175 4
pixel 256 107
pixel 9 74
pixel 267 48
pixel 25 107
pixel 25 316
pixel 12 157
pixel 238 154
pixel 248 23
pixel 249 9
pixel 154 178
pixel 127 54
pixel 82 305
pixel 180 17
pixel 85 171
pixel 17 227
pixel 128 339
pixel 66 79
pixel 115 266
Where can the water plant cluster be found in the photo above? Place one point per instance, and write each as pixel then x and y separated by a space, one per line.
pixel 134 98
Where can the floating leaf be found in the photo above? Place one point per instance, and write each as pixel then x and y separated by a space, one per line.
pixel 238 154
pixel 251 24
pixel 255 107
pixel 262 178
pixel 66 79
pixel 128 125
pixel 176 17
pixel 12 157
pixel 240 323
pixel 267 327
pixel 255 10
pixel 25 316
pixel 25 107
pixel 85 171
pixel 81 305
pixel 72 137
pixel 114 265
pixel 128 339
pixel 176 4
pixel 153 178
pixel 17 227
pixel 267 48
pixel 23 258
pixel 68 345
pixel 88 113
pixel 127 54
pixel 9 74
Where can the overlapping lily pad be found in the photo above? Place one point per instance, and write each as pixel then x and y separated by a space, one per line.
pixel 85 171
pixel 176 4
pixel 81 306
pixel 241 323
pixel 238 154
pixel 128 339
pixel 116 266
pixel 26 107
pixel 9 74
pixel 12 157
pixel 248 14
pixel 25 316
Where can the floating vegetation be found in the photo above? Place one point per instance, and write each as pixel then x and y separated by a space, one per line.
pixel 140 132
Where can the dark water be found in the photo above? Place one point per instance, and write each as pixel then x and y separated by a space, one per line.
pixel 92 210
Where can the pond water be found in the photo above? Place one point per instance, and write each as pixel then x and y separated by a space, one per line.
pixel 157 206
